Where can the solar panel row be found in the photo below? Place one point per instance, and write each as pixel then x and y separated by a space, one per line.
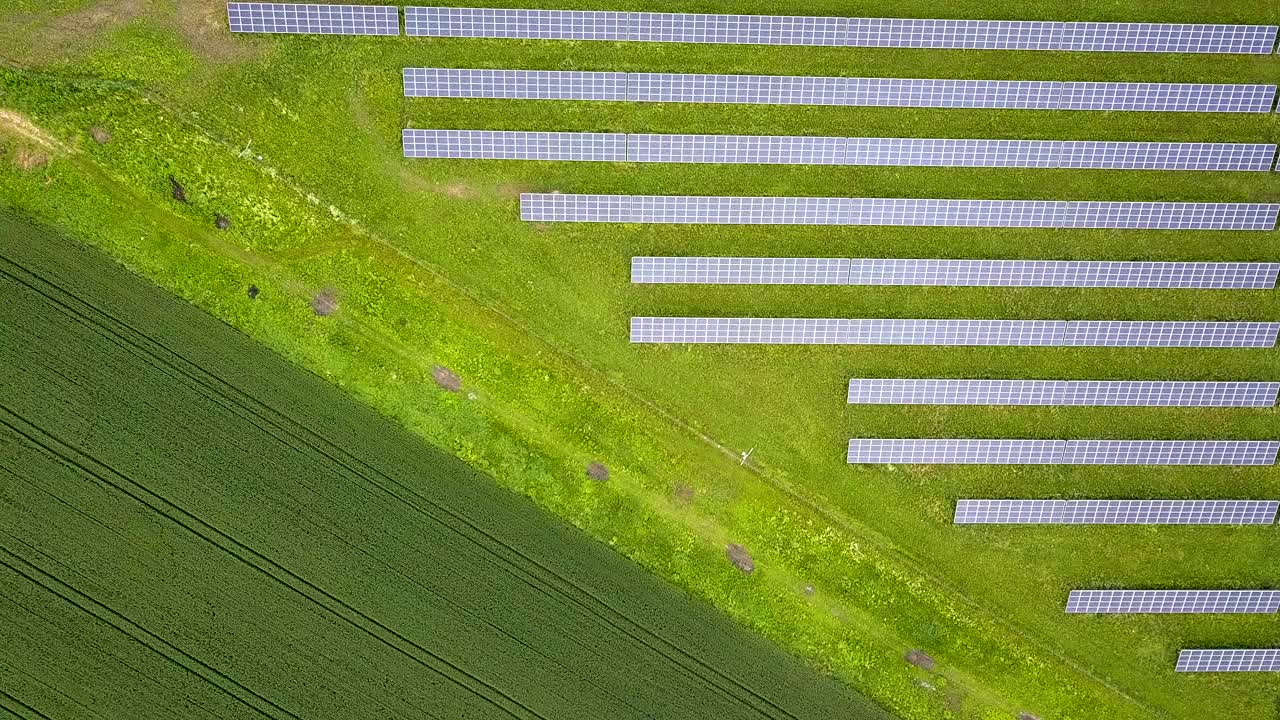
pixel 1030 333
pixel 294 18
pixel 837 31
pixel 1173 601
pixel 1061 452
pixel 556 207
pixel 1123 393
pixel 845 91
pixel 1115 512
pixel 965 273
pixel 1229 660
pixel 769 149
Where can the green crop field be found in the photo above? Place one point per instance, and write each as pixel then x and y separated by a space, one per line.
pixel 296 140
pixel 191 527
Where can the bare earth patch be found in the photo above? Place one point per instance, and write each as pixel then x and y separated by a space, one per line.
pixel 920 659
pixel 683 493
pixel 596 471
pixel 71 34
pixel 460 191
pixel 16 125
pixel 100 135
pixel 510 190
pixel 446 378
pixel 325 303
pixel 203 24
pixel 740 558
pixel 26 160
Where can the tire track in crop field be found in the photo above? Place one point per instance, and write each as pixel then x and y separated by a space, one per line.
pixel 537 576
pixel 9 704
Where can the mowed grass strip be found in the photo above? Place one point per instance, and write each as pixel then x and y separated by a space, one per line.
pixel 245 521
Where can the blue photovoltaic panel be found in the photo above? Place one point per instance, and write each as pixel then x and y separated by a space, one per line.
pixel 1130 393
pixel 498 145
pixel 845 332
pixel 1170 452
pixel 1063 273
pixel 952 153
pixel 902 211
pixel 496 23
pixel 740 271
pixel 738 29
pixel 1229 660
pixel 748 89
pixel 1169 512
pixel 295 18
pixel 1138 333
pixel 1171 216
pixel 728 149
pixel 1173 601
pixel 902 92
pixel 1167 156
pixel 1167 97
pixel 937 451
pixel 514 84
pixel 1168 38
pixel 1116 512
pixel 953 34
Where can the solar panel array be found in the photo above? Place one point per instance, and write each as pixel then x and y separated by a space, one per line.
pixel 938 332
pixel 1137 333
pixel 809 150
pixel 514 145
pixel 967 273
pixel 294 18
pixel 706 209
pixel 833 31
pixel 1173 601
pixel 1125 393
pixel 1064 452
pixel 1242 660
pixel 1115 512
pixel 844 91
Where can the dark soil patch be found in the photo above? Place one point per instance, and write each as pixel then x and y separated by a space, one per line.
pixel 920 659
pixel 446 378
pixel 684 493
pixel 179 192
pixel 740 558
pixel 100 135
pixel 253 292
pixel 220 221
pixel 597 471
pixel 954 700
pixel 325 303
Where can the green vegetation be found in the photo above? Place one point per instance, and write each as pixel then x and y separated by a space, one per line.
pixel 432 267
pixel 191 527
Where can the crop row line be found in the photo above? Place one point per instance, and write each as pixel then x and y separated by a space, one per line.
pixel 298 437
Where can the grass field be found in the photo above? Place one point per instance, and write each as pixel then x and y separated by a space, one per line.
pixel 432 267
pixel 306 558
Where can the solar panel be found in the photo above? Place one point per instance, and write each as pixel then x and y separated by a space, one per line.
pixel 1167 156
pixel 515 84
pixel 497 145
pixel 954 392
pixel 1167 97
pixel 1142 393
pixel 1124 333
pixel 1229 660
pixel 935 451
pixel 1170 452
pixel 1008 512
pixel 1148 37
pixel 1068 273
pixel 1173 601
pixel 554 207
pixel 1128 393
pixel 953 34
pixel 902 92
pixel 847 332
pixel 739 271
pixel 1171 215
pixel 750 89
pixel 736 149
pixel 294 18
pixel 783 331
pixel 954 213
pixel 494 23
pixel 952 153
pixel 1169 512
pixel 1116 512
pixel 738 29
